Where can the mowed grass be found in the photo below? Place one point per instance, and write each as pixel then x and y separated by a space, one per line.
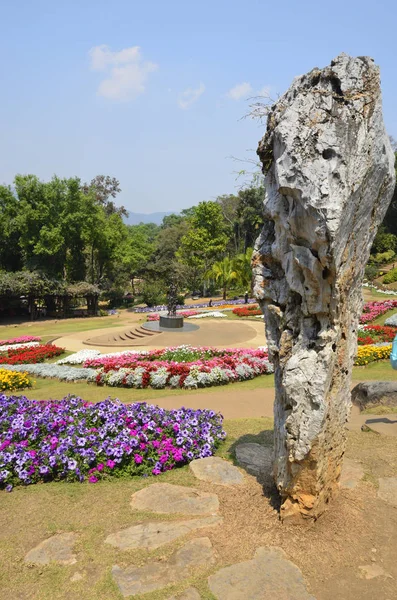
pixel 31 514
pixel 53 328
pixel 52 388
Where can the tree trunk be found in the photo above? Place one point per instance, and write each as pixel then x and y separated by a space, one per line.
pixel 330 177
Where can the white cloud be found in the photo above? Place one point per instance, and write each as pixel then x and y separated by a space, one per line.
pixel 128 72
pixel 190 96
pixel 241 90
pixel 245 90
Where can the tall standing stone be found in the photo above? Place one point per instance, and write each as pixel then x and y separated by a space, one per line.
pixel 329 180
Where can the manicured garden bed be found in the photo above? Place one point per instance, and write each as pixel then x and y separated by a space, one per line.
pixel 29 354
pixel 250 310
pixel 183 366
pixel 74 440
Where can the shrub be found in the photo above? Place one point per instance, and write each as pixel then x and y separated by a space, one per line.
pixel 109 438
pixel 391 276
pixel 371 272
pixel 10 381
pixel 153 294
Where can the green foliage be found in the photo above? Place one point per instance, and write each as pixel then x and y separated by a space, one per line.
pixel 153 293
pixel 243 269
pixel 383 257
pixel 391 276
pixel 371 272
pixel 223 273
pixel 384 241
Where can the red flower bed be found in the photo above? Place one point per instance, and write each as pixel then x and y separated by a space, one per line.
pixel 250 310
pixel 30 355
pixel 373 334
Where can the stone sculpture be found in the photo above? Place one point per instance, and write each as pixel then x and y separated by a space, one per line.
pixel 329 180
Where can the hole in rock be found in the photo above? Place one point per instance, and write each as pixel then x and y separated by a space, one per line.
pixel 333 347
pixel 329 153
pixel 326 273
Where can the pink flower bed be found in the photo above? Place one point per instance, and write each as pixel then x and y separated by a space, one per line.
pixel 180 313
pixel 373 310
pixel 23 339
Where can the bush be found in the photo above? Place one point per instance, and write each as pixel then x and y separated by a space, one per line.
pixel 384 257
pixel 371 272
pixel 153 294
pixel 391 276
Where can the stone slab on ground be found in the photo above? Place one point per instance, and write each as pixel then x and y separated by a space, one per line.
pixel 370 394
pixel 352 473
pixel 216 470
pixel 156 575
pixel 155 534
pixel 189 594
pixel 166 498
pixel 388 490
pixel 255 458
pixel 58 548
pixel 268 576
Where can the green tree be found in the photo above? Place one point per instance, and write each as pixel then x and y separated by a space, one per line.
pixel 243 269
pixel 223 273
pixel 205 240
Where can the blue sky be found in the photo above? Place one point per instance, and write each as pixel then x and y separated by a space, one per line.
pixel 153 92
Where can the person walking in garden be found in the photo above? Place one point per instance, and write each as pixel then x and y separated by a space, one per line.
pixel 246 298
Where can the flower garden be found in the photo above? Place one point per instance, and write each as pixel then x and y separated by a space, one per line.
pixel 74 440
pixel 250 310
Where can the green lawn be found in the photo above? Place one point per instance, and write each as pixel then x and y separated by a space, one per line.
pixel 52 388
pixel 52 329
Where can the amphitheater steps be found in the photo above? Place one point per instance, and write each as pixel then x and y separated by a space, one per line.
pixel 131 337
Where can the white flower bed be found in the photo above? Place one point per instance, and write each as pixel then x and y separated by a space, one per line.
pixel 54 370
pixel 215 314
pixel 379 290
pixel 78 358
pixel 20 345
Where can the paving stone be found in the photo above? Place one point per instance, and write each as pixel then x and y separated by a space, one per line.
pixel 352 473
pixel 268 576
pixel 216 470
pixel 255 458
pixel 189 594
pixel 372 571
pixel 57 548
pixel 158 574
pixel 388 490
pixel 155 534
pixel 166 498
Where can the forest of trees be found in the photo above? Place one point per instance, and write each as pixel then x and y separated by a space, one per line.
pixel 70 231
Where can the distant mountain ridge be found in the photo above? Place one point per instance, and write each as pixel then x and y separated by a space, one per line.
pixel 156 217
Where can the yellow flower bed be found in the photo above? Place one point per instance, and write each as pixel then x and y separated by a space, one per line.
pixel 370 353
pixel 13 380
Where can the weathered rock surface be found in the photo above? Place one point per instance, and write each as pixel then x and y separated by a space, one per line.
pixel 155 575
pixel 352 473
pixel 269 575
pixel 372 571
pixel 216 470
pixel 155 534
pixel 255 458
pixel 329 179
pixel 189 594
pixel 58 548
pixel 371 394
pixel 387 490
pixel 391 321
pixel 166 498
